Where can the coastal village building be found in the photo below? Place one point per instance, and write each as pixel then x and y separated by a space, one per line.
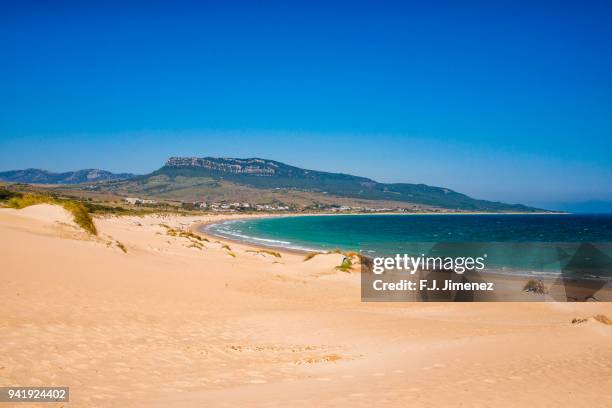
pixel 139 201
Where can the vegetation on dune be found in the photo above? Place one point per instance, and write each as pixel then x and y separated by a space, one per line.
pixel 191 235
pixel 266 251
pixel 121 246
pixel 81 216
pixel 353 254
pixel 346 265
pixel 27 200
pixel 8 194
pixel 195 239
pixel 310 255
pixel 535 286
pixel 603 319
pixel 115 210
pixel 599 318
pixel 79 211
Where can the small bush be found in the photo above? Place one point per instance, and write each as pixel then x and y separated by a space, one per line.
pixel 8 194
pixel 225 246
pixel 353 254
pixel 535 286
pixel 346 265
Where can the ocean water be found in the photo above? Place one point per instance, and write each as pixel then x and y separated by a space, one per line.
pixel 527 243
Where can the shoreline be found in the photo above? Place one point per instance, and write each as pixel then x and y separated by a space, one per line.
pixel 198 229
pixel 228 217
pixel 494 274
pixel 513 284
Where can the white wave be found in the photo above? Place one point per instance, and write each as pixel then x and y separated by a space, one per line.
pixel 223 230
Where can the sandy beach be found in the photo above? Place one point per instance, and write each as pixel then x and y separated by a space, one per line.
pixel 144 316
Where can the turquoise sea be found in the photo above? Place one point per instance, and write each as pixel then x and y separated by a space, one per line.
pixel 525 243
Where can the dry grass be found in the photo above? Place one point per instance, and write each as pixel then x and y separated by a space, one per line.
pixel 81 216
pixel 599 318
pixel 330 358
pixel 353 254
pixel 265 251
pixel 311 255
pixel 603 319
pixel 230 253
pixel 191 235
pixel 29 199
pixel 225 246
pixel 173 232
pixel 121 246
pixel 350 255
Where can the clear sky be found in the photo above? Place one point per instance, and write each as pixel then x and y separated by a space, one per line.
pixel 500 100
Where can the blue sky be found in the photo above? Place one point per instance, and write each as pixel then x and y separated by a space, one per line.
pixel 509 101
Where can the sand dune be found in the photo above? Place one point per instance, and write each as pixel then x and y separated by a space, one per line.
pixel 45 213
pixel 172 323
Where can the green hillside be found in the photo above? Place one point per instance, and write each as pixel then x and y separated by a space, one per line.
pixel 234 179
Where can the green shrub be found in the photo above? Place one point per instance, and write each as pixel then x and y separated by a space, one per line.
pixel 535 286
pixel 27 200
pixel 8 194
pixel 346 265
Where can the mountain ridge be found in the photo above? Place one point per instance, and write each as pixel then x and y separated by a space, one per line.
pixel 270 174
pixel 263 180
pixel 38 176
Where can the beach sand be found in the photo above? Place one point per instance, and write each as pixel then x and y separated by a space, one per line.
pixel 172 324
